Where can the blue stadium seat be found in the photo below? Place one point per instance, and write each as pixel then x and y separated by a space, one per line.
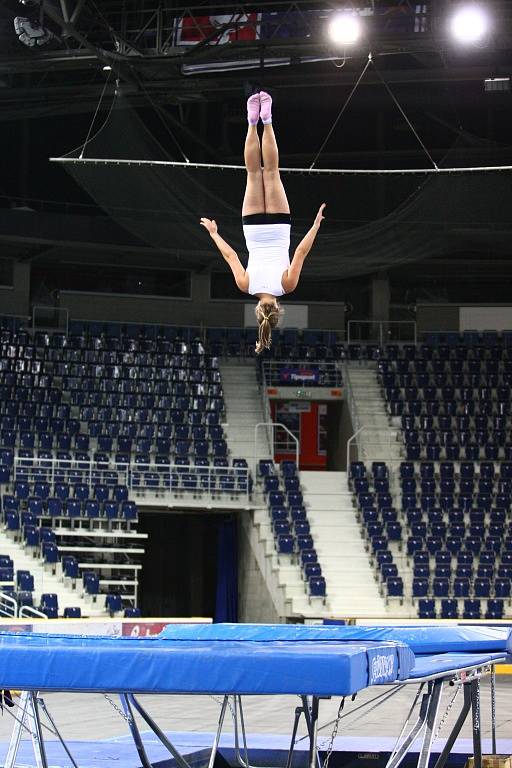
pixel 395 587
pixel 285 545
pixel 449 609
pixel 49 600
pixel 502 588
pixel 92 509
pixel 495 609
pixel 81 491
pixel 441 587
pixel 72 612
pixel 427 609
pixel 91 582
pixel 420 587
pixel 271 483
pixel 317 586
pixel 461 587
pixel 101 492
pixel 278 513
pixel 312 569
pixel 129 510
pixel 482 587
pixel 308 556
pixel 113 603
pixel 472 609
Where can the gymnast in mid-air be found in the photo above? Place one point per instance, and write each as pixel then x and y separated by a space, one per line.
pixel 266 224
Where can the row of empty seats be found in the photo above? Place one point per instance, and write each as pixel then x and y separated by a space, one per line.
pixel 289 521
pixel 459 552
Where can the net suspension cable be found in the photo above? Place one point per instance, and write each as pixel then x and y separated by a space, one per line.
pixel 312 170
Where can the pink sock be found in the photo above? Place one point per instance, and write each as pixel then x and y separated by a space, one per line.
pixel 253 109
pixel 266 107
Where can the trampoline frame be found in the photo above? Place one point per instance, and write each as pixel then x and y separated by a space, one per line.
pixel 430 689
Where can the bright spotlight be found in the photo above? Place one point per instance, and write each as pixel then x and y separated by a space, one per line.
pixel 470 24
pixel 345 28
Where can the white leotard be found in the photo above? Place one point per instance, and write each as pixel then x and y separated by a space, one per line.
pixel 268 246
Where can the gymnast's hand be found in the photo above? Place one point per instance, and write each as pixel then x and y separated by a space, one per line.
pixel 320 215
pixel 210 225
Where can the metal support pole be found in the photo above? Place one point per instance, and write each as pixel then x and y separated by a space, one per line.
pixel 313 754
pixel 20 723
pixel 180 760
pixel 409 740
pixel 298 713
pixel 306 708
pixel 137 739
pixel 428 737
pixel 59 736
pixel 242 726
pixel 450 741
pixel 38 731
pixel 407 720
pixel 215 747
pixel 476 718
pixel 493 709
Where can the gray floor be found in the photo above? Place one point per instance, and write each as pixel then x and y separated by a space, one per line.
pixel 91 717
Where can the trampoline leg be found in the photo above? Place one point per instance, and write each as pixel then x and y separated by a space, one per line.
pixel 14 743
pixel 401 751
pixel 242 726
pixel 493 709
pixel 59 735
pixel 309 724
pixel 298 713
pixel 428 736
pixel 313 752
pixel 476 714
pixel 180 760
pixel 134 731
pixel 215 747
pixel 17 732
pixel 38 731
pixel 443 757
pixel 406 723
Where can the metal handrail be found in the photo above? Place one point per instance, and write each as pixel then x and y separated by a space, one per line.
pixel 127 473
pixel 29 612
pixel 273 425
pixel 8 605
pixel 372 430
pixel 380 326
pixel 49 310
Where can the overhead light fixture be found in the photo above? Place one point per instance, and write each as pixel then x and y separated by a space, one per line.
pixel 497 84
pixel 31 33
pixel 470 23
pixel 345 28
pixel 107 68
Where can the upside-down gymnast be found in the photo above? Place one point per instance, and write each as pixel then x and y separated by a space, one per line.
pixel 266 224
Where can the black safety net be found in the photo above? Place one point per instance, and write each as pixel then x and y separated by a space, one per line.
pixel 372 222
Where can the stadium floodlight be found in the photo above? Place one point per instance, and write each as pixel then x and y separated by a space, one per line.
pixel 470 23
pixel 345 28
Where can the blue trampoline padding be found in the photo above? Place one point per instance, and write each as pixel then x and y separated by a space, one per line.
pixel 31 661
pixel 437 664
pixel 271 633
pixel 420 639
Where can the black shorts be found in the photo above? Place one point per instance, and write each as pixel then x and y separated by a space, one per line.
pixel 267 218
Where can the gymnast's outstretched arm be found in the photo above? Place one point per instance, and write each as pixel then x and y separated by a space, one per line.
pixel 228 254
pixel 291 279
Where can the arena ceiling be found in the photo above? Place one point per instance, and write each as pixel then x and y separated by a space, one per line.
pixel 187 69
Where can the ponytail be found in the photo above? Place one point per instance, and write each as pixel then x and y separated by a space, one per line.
pixel 268 317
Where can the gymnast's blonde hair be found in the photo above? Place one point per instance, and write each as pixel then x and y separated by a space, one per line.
pixel 268 316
